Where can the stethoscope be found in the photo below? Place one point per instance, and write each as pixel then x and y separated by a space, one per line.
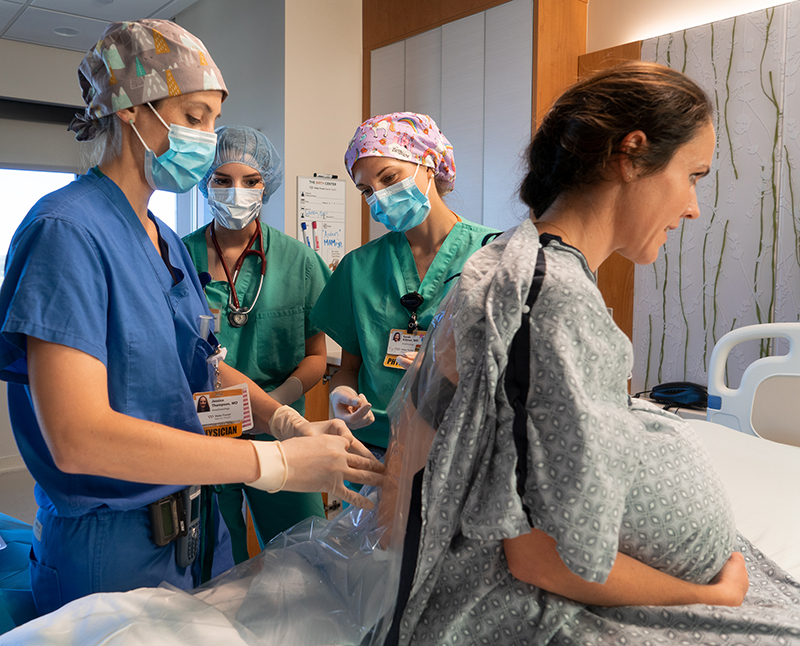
pixel 238 315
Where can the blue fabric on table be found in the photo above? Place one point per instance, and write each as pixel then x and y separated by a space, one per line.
pixel 16 600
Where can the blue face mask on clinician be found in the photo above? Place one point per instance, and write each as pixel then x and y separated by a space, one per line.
pixel 401 206
pixel 190 155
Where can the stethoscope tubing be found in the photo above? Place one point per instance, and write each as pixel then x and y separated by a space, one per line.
pixel 233 299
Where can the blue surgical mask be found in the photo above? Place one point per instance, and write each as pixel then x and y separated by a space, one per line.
pixel 235 208
pixel 401 206
pixel 190 155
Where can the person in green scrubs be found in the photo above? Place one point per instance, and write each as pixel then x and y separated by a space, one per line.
pixel 261 306
pixel 403 165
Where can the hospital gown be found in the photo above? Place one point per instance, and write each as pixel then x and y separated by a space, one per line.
pixel 600 475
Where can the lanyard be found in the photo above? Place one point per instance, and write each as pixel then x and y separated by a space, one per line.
pixel 238 315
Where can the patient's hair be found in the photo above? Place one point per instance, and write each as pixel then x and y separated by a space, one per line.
pixel 582 132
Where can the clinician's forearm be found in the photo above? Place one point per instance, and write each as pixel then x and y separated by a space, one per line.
pixel 312 367
pixel 347 374
pixel 85 435
pixel 533 558
pixel 127 448
pixel 262 406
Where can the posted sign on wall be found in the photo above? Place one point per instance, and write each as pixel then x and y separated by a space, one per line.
pixel 320 216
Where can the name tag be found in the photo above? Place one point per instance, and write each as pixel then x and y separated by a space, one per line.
pixel 224 413
pixel 399 343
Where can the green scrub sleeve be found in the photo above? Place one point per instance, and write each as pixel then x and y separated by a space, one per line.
pixel 333 311
pixel 317 276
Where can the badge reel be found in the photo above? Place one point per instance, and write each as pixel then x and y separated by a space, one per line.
pixel 412 301
pixel 402 342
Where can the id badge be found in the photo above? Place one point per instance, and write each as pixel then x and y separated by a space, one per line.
pixel 224 413
pixel 399 343
pixel 217 314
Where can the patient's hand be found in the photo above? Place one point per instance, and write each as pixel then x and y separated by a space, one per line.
pixel 732 581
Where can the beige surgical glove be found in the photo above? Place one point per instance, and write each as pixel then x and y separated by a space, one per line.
pixel 317 463
pixel 351 407
pixel 288 392
pixel 286 423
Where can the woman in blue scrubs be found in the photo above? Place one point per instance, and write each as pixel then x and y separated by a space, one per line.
pixel 101 341
pixel 403 165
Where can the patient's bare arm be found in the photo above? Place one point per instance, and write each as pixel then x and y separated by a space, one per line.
pixel 533 558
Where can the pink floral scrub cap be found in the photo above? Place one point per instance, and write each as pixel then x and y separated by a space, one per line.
pixel 137 62
pixel 406 136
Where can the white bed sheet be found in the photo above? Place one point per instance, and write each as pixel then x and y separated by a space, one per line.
pixel 763 483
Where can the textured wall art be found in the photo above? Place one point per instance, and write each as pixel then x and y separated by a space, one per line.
pixel 739 264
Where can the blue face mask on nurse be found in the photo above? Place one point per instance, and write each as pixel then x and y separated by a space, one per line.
pixel 184 163
pixel 400 206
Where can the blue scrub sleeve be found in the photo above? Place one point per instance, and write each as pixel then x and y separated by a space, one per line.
pixel 333 312
pixel 55 289
pixel 317 275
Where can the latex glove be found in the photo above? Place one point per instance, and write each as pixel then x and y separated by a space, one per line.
pixel 288 392
pixel 406 359
pixel 318 463
pixel 351 407
pixel 286 423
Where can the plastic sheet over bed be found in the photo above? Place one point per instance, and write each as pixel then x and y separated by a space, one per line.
pixel 322 582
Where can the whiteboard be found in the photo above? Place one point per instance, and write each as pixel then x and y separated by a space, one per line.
pixel 321 215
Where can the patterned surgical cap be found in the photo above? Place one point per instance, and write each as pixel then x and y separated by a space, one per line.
pixel 139 62
pixel 406 136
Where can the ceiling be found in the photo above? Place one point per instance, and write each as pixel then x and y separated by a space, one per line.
pixel 76 24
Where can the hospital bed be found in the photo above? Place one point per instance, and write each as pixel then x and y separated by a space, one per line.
pixel 766 403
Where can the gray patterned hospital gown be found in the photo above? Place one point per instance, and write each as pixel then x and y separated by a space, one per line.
pixel 603 475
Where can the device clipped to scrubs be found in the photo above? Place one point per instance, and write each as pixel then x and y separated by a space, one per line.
pixel 177 518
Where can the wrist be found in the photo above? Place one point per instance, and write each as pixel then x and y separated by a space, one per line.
pixel 342 388
pixel 272 466
pixel 288 392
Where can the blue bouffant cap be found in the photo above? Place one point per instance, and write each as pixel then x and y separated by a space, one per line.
pixel 246 145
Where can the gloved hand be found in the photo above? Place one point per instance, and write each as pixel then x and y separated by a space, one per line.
pixel 351 407
pixel 288 392
pixel 406 359
pixel 318 463
pixel 286 423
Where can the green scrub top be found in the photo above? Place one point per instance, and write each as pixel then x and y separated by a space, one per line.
pixel 272 342
pixel 361 304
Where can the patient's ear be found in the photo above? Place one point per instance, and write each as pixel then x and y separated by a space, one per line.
pixel 631 148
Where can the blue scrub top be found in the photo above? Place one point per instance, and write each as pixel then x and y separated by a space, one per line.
pixel 82 272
